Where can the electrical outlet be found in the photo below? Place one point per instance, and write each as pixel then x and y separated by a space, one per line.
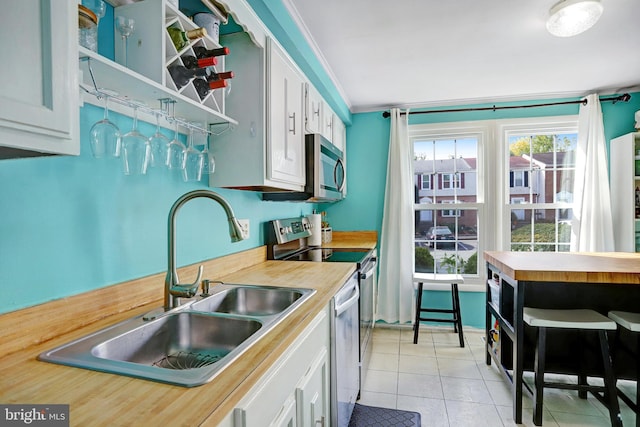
pixel 244 225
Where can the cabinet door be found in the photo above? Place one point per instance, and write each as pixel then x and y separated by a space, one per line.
pixel 285 149
pixel 313 104
pixel 287 415
pixel 327 123
pixel 338 139
pixel 39 93
pixel 312 394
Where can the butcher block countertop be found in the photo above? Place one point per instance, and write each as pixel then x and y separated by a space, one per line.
pixel 101 399
pixel 604 267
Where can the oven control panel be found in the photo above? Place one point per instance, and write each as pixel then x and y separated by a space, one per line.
pixel 289 229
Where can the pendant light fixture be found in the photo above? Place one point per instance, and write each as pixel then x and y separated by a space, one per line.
pixel 568 18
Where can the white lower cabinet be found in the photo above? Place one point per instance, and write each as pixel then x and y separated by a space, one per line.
pixel 312 394
pixel 287 415
pixel 295 391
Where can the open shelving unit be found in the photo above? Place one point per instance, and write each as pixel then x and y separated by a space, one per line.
pixel 145 78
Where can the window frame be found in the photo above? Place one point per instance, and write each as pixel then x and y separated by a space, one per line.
pixel 549 125
pixel 483 131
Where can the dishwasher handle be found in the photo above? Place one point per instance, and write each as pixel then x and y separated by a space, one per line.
pixel 342 306
pixel 372 268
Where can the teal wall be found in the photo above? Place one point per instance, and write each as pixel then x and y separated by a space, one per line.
pixel 73 224
pixel 367 149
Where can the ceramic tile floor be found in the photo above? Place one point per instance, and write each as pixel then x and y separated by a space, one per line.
pixel 453 387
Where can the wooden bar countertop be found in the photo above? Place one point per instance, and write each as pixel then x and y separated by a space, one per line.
pixel 102 399
pixel 603 267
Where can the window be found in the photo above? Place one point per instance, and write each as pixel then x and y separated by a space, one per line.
pixel 518 178
pixel 450 180
pixel 446 240
pixel 450 212
pixel 541 168
pixel 425 182
pixel 511 182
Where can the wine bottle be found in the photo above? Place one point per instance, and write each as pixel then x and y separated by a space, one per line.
pixel 203 87
pixel 203 52
pixel 213 76
pixel 191 61
pixel 181 74
pixel 181 38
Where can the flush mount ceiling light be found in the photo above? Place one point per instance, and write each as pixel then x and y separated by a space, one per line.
pixel 571 17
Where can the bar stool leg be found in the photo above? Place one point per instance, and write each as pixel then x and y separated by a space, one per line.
pixel 454 307
pixel 582 376
pixel 538 367
pixel 609 381
pixel 458 316
pixel 416 325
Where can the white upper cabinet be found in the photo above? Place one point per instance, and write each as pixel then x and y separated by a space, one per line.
pixel 39 82
pixel 327 122
pixel 265 151
pixel 339 136
pixel 313 104
pixel 285 161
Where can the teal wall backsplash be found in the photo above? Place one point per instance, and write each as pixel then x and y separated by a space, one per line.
pixel 73 224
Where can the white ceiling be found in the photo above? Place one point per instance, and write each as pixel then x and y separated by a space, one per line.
pixel 403 53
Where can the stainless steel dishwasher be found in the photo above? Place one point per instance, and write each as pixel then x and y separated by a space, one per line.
pixel 345 352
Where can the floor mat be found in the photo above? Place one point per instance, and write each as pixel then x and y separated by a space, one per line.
pixel 371 416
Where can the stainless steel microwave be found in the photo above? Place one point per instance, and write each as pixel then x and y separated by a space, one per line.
pixel 325 174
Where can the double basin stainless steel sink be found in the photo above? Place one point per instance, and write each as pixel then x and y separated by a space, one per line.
pixel 188 345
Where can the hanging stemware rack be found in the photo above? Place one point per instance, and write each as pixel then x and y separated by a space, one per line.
pixel 166 108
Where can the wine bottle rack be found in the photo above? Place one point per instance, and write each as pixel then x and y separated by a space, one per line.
pixel 150 51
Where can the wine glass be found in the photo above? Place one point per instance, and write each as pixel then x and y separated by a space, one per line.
pixel 136 150
pixel 193 161
pixel 208 161
pixel 125 26
pixel 159 146
pixel 175 150
pixel 105 136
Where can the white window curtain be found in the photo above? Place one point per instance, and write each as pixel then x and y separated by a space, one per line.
pixel 395 289
pixel 591 225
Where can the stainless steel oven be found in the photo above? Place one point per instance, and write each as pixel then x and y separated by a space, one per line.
pixel 286 240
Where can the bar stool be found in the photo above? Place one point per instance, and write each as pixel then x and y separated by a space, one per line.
pixel 543 319
pixel 631 322
pixel 450 279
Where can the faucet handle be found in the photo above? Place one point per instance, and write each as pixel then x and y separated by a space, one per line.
pixel 188 290
pixel 206 284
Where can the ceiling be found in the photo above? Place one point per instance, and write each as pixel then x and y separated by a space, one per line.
pixel 410 53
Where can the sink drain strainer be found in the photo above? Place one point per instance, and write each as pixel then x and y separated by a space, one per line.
pixel 188 360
